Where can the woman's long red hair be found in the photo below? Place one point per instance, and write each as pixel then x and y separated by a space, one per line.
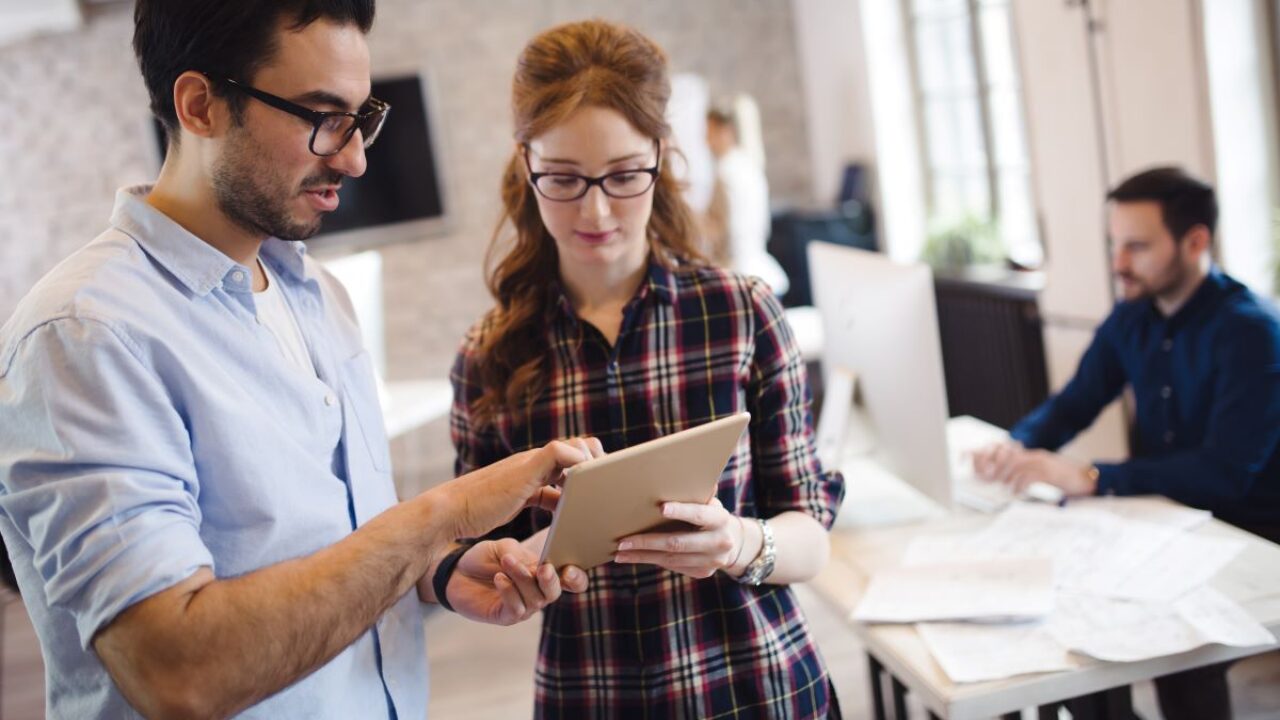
pixel 592 63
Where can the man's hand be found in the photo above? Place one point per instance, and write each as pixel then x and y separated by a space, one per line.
pixel 1017 468
pixel 486 498
pixel 993 462
pixel 500 582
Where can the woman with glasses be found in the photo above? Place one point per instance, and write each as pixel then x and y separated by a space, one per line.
pixel 609 324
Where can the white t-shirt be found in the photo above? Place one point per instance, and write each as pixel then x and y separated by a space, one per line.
pixel 274 314
pixel 747 196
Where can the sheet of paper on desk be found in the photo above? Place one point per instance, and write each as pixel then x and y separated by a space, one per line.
pixel 1255 575
pixel 1147 509
pixel 971 652
pixel 1091 550
pixel 1126 631
pixel 1182 565
pixel 993 590
pixel 1115 554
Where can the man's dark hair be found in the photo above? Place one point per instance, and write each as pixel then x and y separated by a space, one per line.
pixel 222 38
pixel 1185 201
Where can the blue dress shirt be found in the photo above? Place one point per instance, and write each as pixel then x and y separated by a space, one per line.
pixel 1206 385
pixel 150 426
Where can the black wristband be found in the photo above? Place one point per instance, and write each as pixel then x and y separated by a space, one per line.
pixel 444 571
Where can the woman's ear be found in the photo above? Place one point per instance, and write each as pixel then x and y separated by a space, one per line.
pixel 522 156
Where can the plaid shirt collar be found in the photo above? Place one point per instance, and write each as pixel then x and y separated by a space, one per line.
pixel 660 284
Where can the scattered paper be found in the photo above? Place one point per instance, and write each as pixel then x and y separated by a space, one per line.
pixel 1147 509
pixel 969 652
pixel 1131 583
pixel 1090 550
pixel 1187 562
pixel 1255 576
pixel 1127 631
pixel 990 591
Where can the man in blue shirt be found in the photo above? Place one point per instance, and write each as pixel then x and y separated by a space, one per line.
pixel 195 483
pixel 1201 354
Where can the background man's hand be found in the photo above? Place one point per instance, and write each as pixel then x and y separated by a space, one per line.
pixel 1017 467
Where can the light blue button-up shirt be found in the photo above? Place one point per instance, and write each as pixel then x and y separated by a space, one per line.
pixel 149 426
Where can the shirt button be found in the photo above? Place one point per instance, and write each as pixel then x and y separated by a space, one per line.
pixel 1167 345
pixel 1166 392
pixel 330 400
pixel 1168 438
pixel 237 276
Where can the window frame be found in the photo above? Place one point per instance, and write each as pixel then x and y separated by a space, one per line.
pixel 982 97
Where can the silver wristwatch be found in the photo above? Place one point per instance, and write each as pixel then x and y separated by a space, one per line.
pixel 762 566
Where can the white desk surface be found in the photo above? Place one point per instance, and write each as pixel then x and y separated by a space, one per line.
pixel 1252 579
pixel 408 404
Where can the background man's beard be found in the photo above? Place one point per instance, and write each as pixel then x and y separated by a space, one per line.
pixel 1169 282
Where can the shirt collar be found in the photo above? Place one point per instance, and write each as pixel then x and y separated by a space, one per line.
pixel 659 283
pixel 195 263
pixel 287 257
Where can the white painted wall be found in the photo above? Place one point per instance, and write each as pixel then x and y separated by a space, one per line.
pixel 21 19
pixel 1070 182
pixel 899 168
pixel 1155 93
pixel 833 72
pixel 1242 101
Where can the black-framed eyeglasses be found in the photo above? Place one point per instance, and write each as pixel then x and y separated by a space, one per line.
pixel 623 184
pixel 330 131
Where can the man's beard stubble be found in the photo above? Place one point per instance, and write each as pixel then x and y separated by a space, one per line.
pixel 1170 280
pixel 254 197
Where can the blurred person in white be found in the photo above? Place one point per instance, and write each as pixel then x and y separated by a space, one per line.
pixel 737 221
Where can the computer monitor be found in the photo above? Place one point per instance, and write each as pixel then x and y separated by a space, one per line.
pixel 880 322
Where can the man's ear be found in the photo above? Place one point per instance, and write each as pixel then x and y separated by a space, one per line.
pixel 199 111
pixel 1198 240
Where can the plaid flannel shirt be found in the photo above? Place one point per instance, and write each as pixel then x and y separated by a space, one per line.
pixel 694 345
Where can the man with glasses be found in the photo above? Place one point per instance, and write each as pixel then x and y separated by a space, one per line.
pixel 195 481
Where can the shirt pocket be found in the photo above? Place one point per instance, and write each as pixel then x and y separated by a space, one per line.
pixel 360 399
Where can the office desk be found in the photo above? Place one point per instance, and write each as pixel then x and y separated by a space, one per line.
pixel 1252 579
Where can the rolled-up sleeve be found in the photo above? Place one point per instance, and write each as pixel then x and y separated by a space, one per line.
pixel 96 471
pixel 786 470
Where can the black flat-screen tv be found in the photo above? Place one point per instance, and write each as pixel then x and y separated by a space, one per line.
pixel 401 196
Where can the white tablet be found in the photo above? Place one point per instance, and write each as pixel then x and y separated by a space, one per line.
pixel 621 494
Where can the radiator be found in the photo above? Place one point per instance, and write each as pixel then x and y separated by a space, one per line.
pixel 992 344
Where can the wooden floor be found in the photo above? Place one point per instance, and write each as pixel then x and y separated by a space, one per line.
pixel 480 672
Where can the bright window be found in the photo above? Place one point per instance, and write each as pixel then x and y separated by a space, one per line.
pixel 972 126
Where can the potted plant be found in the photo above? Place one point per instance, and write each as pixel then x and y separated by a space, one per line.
pixel 969 240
